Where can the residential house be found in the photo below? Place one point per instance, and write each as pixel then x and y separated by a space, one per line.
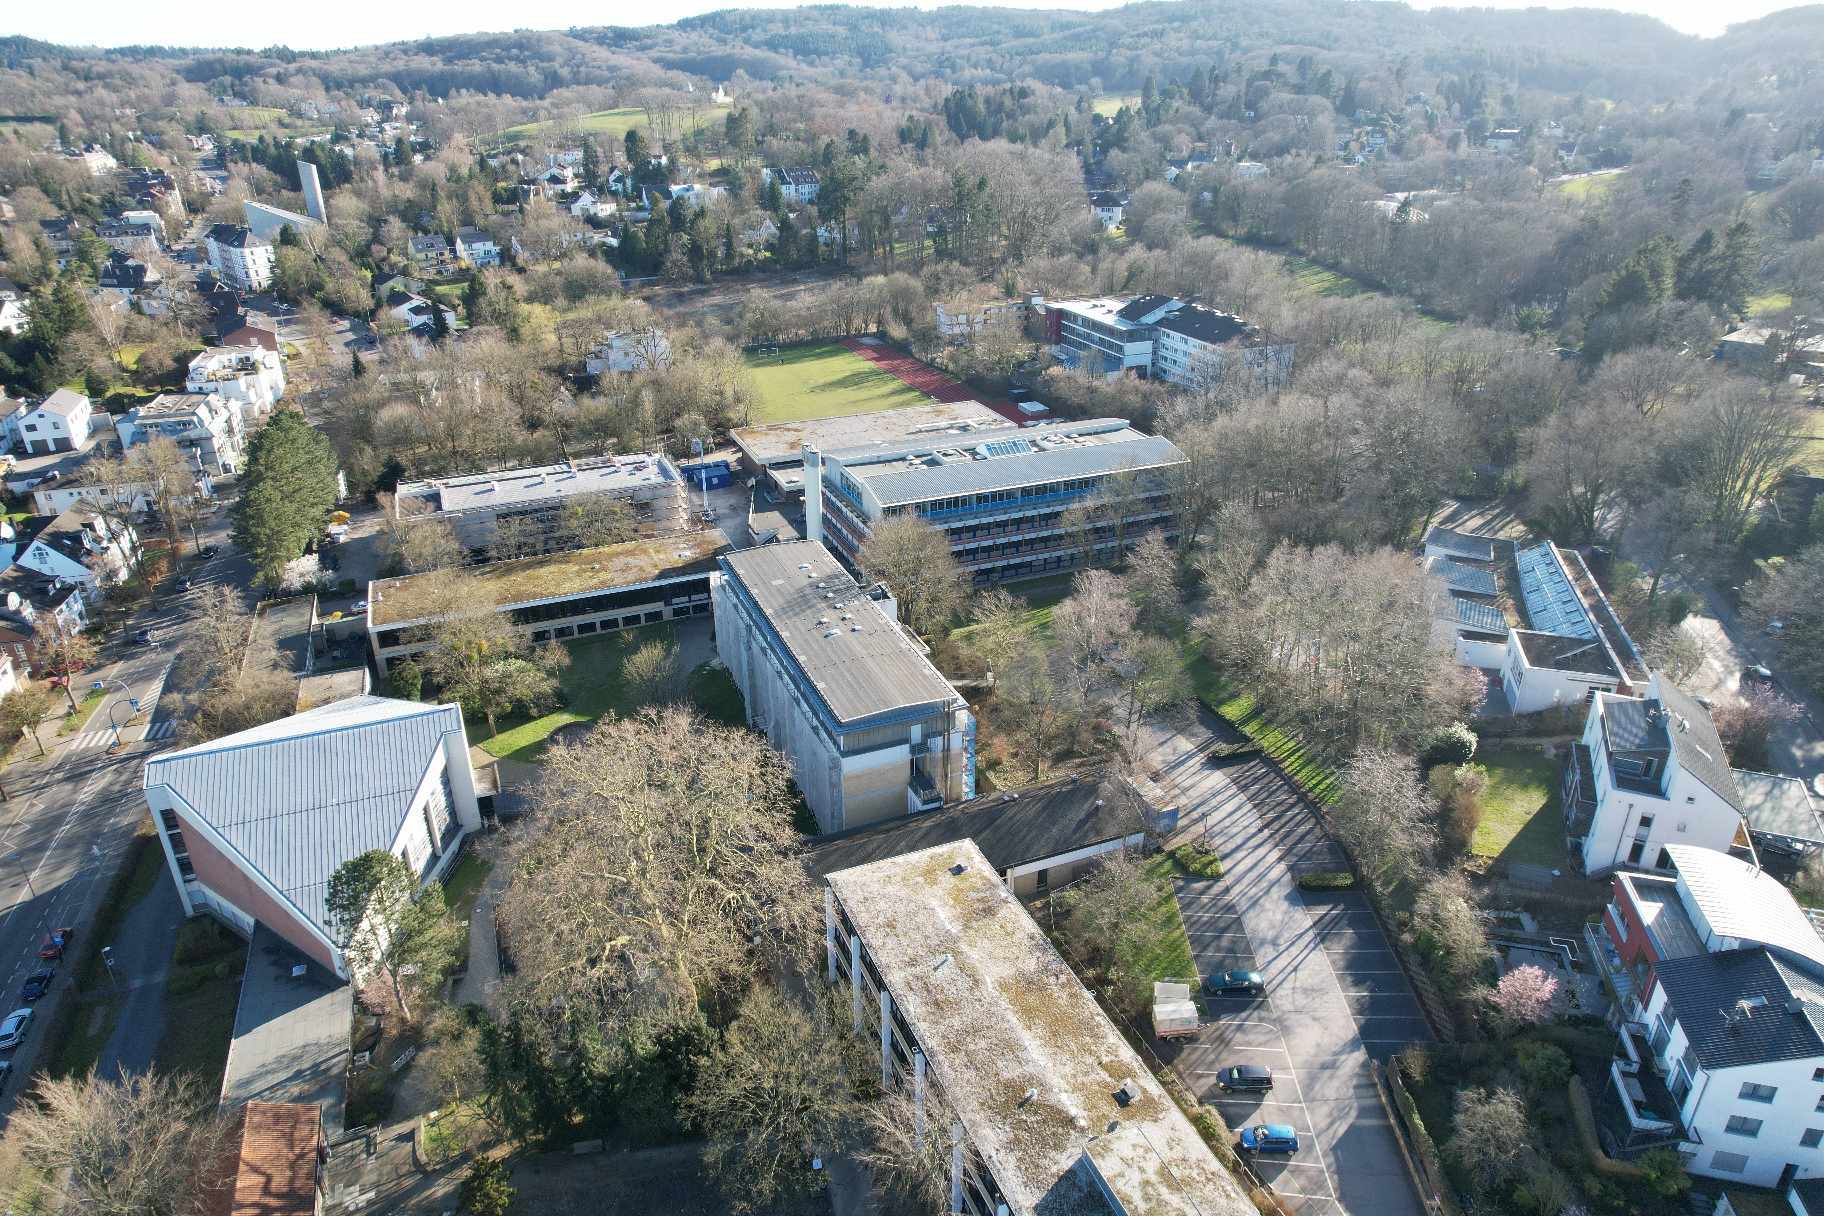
pixel 415 311
pixel 429 252
pixel 1250 170
pixel 62 422
pixel 1503 139
pixel 80 545
pixel 1646 774
pixel 1756 347
pixel 15 314
pixel 251 375
pixel 1109 206
pixel 59 233
pixel 577 593
pixel 9 673
pixel 946 970
pixel 477 248
pixel 872 730
pixel 240 258
pixel 128 238
pixel 116 499
pixel 644 350
pixel 1717 979
pixel 240 330
pixel 588 206
pixel 254 824
pixel 475 504
pixel 1044 837
pixel 122 272
pixel 999 496
pixel 93 157
pixel 696 195
pixel 208 426
pixel 31 602
pixel 796 185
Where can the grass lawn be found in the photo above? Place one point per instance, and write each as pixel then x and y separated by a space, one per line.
pixel 613 124
pixel 592 689
pixel 1167 955
pixel 1813 456
pixel 1519 813
pixel 199 1024
pixel 1589 189
pixel 1109 104
pixel 713 691
pixel 1240 708
pixel 464 883
pixel 824 381
pixel 1772 302
pixel 74 722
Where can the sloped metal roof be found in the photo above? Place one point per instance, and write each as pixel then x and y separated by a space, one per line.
pixel 1740 901
pixel 1778 805
pixel 298 797
pixel 1474 614
pixel 1460 544
pixel 1459 577
pixel 1552 602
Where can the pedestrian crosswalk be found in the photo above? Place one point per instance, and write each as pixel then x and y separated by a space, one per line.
pixel 162 729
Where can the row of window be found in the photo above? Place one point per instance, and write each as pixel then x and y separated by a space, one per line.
pixel 1742 1125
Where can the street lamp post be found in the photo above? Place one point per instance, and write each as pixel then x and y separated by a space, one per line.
pixel 29 889
pixel 132 703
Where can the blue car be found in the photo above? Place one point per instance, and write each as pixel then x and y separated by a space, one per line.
pixel 1269 1138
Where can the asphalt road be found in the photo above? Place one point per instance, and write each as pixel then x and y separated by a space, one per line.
pixel 70 817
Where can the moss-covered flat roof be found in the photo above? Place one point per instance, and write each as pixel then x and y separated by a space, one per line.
pixel 417 597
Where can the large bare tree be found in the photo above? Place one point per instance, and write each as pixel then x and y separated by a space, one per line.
pixel 914 560
pixel 663 865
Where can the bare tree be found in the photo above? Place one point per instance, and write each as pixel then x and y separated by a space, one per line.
pixel 654 673
pixel 1740 439
pixel 1089 626
pixel 1793 595
pixel 1385 814
pixel 1581 461
pixel 1491 1132
pixel 146 1145
pixel 914 560
pixel 426 544
pixel 908 1153
pixel 24 711
pixel 1444 917
pixel 663 863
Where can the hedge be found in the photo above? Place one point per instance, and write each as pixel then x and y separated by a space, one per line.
pixel 1585 1118
pixel 1199 861
pixel 1327 880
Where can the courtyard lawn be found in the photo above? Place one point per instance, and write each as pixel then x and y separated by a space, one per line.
pixel 611 124
pixel 1520 820
pixel 823 381
pixel 1166 951
pixel 592 689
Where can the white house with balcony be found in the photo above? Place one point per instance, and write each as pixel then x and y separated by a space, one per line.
pixel 1647 774
pixel 207 426
pixel 637 351
pixel 251 375
pixel 1718 979
pixel 79 545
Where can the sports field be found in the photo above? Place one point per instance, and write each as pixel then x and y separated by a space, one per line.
pixel 610 124
pixel 824 381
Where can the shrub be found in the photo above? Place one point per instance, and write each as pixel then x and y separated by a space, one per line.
pixel 1542 1066
pixel 407 680
pixel 1542 1190
pixel 1453 745
pixel 1664 1173
pixel 1677 607
pixel 1327 880
pixel 1195 859
pixel 486 1191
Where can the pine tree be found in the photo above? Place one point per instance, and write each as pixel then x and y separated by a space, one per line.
pixel 288 488
pixel 440 321
pixel 356 368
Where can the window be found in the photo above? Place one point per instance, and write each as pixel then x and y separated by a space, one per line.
pixel 1813 1137
pixel 1817 1074
pixel 1820 1106
pixel 1753 1091
pixel 1635 851
pixel 1742 1125
pixel 1728 1163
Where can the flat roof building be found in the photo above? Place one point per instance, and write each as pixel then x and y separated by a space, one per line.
pixel 872 729
pixel 574 593
pixel 776 452
pixel 476 504
pixel 1053 1111
pixel 1000 496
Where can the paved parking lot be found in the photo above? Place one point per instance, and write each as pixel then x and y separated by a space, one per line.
pixel 1335 993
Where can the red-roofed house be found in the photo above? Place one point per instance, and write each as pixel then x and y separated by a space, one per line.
pixel 272 1162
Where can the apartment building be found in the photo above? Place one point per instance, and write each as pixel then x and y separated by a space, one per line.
pixel 1163 337
pixel 828 674
pixel 576 593
pixel 972 1006
pixel 533 501
pixel 250 375
pixel 797 185
pixel 1001 496
pixel 79 545
pixel 1717 980
pixel 240 258
pixel 637 351
pixel 254 824
pixel 208 426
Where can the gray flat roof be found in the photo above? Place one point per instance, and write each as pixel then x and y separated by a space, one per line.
pixel 291 1036
pixel 781 442
pixel 999 1015
pixel 510 487
pixel 858 660
pixel 1778 805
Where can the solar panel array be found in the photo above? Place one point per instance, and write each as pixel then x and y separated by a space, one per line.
pixel 1459 577
pixel 1552 605
pixel 1007 447
pixel 1474 615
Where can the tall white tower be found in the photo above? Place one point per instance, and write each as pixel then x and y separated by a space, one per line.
pixel 313 192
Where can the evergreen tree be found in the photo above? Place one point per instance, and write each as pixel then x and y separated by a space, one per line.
pixel 440 321
pixel 288 487
pixel 356 368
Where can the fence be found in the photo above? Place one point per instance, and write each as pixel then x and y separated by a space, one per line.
pixel 1416 1145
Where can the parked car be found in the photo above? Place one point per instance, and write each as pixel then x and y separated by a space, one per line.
pixel 56 943
pixel 13 1029
pixel 1754 674
pixel 38 983
pixel 1269 1138
pixel 1245 1078
pixel 211 550
pixel 144 637
pixel 1235 983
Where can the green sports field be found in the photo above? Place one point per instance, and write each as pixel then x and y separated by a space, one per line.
pixel 609 124
pixel 825 381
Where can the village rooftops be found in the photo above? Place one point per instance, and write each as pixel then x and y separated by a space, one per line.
pixel 538 483
pixel 856 657
pixel 1051 1096
pixel 531 580
pixel 1007 459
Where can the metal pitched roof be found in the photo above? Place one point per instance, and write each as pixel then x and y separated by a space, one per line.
pixel 1473 614
pixel 298 797
pixel 858 660
pixel 1743 1007
pixel 1744 902
pixel 1459 577
pixel 1461 544
pixel 1695 740
pixel 1034 468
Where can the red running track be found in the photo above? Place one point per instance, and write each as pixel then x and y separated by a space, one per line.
pixel 927 379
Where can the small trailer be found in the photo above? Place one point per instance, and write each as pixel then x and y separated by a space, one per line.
pixel 1174 1013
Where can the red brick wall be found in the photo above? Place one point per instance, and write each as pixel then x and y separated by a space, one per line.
pixel 222 874
pixel 1637 951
